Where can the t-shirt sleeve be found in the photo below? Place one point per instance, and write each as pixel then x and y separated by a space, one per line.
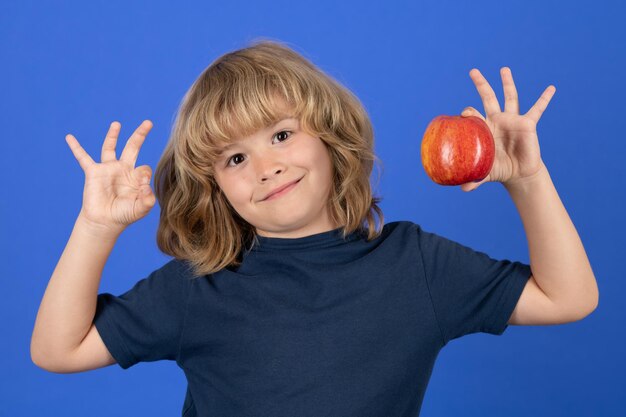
pixel 470 291
pixel 144 324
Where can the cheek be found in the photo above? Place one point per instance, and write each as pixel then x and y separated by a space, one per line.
pixel 236 190
pixel 324 162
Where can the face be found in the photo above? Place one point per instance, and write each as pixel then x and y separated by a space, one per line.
pixel 282 155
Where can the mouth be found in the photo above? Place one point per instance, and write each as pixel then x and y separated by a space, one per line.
pixel 282 190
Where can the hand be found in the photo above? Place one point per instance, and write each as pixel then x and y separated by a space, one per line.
pixel 116 193
pixel 517 145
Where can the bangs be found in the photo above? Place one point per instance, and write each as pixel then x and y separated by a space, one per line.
pixel 236 110
pixel 241 117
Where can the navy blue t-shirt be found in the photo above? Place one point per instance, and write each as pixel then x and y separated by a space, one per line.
pixel 314 326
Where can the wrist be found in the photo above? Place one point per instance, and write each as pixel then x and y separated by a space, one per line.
pixel 96 230
pixel 523 184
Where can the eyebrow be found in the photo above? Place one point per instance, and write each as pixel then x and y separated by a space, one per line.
pixel 228 147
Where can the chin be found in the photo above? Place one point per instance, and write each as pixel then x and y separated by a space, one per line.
pixel 283 227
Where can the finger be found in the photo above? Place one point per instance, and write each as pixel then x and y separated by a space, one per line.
pixel 540 106
pixel 110 141
pixel 80 154
pixel 467 187
pixel 471 186
pixel 144 202
pixel 131 150
pixel 490 101
pixel 511 102
pixel 142 174
pixel 470 111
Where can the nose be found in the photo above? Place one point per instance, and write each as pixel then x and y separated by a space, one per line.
pixel 268 166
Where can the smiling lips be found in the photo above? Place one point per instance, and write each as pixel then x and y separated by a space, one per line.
pixel 281 190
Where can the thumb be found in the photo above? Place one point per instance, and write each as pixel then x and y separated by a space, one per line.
pixel 148 199
pixel 145 201
pixel 470 111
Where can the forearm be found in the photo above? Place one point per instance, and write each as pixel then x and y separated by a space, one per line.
pixel 558 260
pixel 68 306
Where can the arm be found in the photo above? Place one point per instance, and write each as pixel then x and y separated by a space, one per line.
pixel 115 195
pixel 68 306
pixel 557 256
pixel 562 287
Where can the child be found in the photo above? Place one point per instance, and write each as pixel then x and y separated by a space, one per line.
pixel 284 296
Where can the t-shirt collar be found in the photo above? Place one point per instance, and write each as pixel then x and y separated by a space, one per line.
pixel 319 240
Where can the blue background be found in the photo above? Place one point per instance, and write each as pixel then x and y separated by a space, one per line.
pixel 74 67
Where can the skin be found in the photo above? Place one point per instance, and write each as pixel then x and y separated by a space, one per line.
pixel 517 145
pixel 562 287
pixel 271 158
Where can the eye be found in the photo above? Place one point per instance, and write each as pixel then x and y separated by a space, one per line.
pixel 232 160
pixel 283 131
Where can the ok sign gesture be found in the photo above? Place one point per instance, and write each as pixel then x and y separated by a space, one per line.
pixel 116 193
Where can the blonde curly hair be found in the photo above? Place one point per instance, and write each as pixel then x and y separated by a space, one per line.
pixel 234 97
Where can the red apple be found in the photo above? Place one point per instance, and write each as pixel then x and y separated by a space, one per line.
pixel 457 149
